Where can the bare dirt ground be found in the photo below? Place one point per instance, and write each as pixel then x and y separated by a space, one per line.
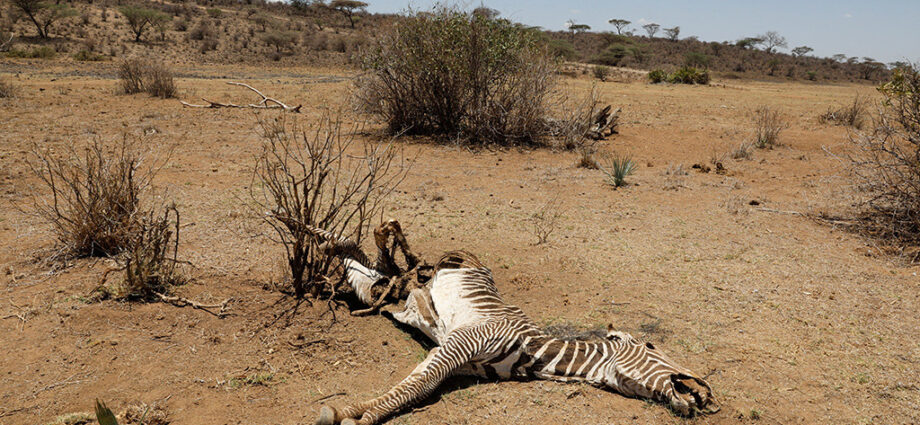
pixel 792 320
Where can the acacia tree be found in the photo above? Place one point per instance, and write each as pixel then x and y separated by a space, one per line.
pixel 348 8
pixel 486 12
pixel 139 17
pixel 749 42
pixel 839 57
pixel 772 40
pixel 43 14
pixel 802 51
pixel 651 29
pixel 620 24
pixel 672 33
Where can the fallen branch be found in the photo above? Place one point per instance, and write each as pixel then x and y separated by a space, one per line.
pixel 266 103
pixel 6 45
pixel 809 215
pixel 182 302
pixel 328 397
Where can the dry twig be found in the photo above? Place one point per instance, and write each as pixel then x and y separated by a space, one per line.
pixel 266 103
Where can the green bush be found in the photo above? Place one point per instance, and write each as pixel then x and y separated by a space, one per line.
pixel 87 56
pixel 561 49
pixel 215 12
pixel 600 72
pixel 657 76
pixel 613 55
pixel 689 75
pixel 43 52
pixel 460 75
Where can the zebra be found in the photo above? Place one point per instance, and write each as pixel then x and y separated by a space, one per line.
pixel 477 333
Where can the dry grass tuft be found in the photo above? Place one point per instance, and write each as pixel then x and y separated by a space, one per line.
pixel 852 115
pixel 7 89
pixel 146 414
pixel 768 124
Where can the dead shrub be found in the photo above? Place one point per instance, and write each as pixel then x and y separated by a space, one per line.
pixel 886 162
pixel 95 196
pixel 569 131
pixel 319 177
pixel 768 124
pixel 851 115
pixel 545 221
pixel 141 75
pixel 459 75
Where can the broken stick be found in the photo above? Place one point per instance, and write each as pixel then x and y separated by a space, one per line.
pixel 266 103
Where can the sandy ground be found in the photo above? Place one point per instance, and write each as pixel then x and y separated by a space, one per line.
pixel 792 320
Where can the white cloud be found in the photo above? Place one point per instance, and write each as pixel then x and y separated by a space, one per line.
pixel 848 15
pixel 574 11
pixel 643 21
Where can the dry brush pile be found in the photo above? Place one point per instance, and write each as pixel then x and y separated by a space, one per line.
pixel 886 163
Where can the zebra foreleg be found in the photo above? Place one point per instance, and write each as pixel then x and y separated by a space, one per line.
pixel 441 361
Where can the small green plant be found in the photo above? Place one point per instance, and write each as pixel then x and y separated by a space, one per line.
pixel 263 378
pixel 215 12
pixel 811 75
pixel 616 168
pixel 104 415
pixel 601 72
pixel 657 76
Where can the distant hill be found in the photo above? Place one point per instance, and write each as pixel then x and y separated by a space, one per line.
pixel 730 59
pixel 310 32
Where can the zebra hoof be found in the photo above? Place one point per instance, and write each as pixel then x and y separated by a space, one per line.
pixel 349 421
pixel 326 416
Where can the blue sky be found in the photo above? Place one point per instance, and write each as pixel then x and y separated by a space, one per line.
pixel 886 30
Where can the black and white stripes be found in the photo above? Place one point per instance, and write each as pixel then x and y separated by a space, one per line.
pixel 478 333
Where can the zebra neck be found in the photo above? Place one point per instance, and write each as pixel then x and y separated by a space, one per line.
pixel 558 359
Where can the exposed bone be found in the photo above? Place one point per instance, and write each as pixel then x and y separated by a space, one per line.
pixel 266 103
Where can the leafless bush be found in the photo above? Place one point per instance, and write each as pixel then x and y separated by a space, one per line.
pixel 95 196
pixel 886 161
pixel 7 89
pixel 140 75
pixel 314 177
pixel 851 115
pixel 768 124
pixel 545 221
